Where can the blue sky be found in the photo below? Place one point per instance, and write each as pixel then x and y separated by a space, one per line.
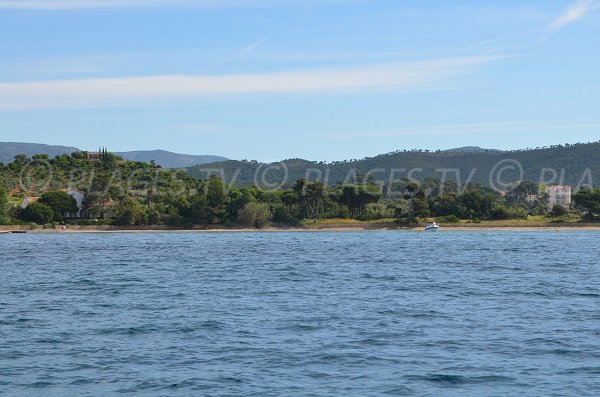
pixel 317 79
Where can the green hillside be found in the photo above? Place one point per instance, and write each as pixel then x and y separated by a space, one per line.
pixel 569 164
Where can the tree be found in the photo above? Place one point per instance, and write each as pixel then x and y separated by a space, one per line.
pixel 255 215
pixel 217 200
pixel 153 216
pixel 522 192
pixel 315 193
pixel 474 204
pixel 419 207
pixel 290 199
pixel 558 210
pixel 98 192
pixel 499 212
pixel 38 213
pixel 356 197
pixel 20 161
pixel 4 218
pixel 237 200
pixel 589 201
pixel 129 213
pixel 199 212
pixel 310 197
pixel 60 202
pixel 445 204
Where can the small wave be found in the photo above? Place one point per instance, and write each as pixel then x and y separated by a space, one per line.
pixel 582 370
pixel 210 324
pixel 587 295
pixel 85 281
pixel 13 355
pixel 128 331
pixel 180 385
pixel 49 341
pixel 318 375
pixel 75 367
pixel 40 385
pixel 81 382
pixel 304 327
pixel 400 391
pixel 231 379
pixel 373 342
pixel 447 379
pixel 427 314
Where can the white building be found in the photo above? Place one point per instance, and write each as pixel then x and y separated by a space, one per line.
pixel 80 199
pixel 559 194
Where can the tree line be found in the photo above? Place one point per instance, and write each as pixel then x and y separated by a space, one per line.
pixel 135 193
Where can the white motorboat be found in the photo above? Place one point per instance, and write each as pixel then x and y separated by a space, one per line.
pixel 432 227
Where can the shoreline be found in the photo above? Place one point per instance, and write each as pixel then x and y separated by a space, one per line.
pixel 318 229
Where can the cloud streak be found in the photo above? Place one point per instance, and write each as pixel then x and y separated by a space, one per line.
pixel 573 13
pixel 77 4
pixel 110 92
pixel 251 47
pixel 89 4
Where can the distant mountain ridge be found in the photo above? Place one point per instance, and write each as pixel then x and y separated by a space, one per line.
pixel 169 159
pixel 8 151
pixel 471 149
pixel 573 164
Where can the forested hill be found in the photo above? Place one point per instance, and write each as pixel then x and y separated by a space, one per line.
pixel 567 164
pixel 8 151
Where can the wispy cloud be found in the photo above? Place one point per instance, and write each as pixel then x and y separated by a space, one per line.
pixel 251 47
pixel 131 90
pixel 75 4
pixel 574 12
pixel 83 4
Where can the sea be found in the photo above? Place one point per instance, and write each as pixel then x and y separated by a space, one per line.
pixel 377 313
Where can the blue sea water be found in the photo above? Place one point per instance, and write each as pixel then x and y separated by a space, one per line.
pixel 300 314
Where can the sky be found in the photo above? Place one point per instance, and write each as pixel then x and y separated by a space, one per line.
pixel 315 79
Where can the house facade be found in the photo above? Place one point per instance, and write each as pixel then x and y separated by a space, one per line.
pixel 559 194
pixel 94 156
pixel 79 197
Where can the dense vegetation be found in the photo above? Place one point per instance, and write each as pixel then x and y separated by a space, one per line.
pixel 575 165
pixel 4 216
pixel 589 201
pixel 130 193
